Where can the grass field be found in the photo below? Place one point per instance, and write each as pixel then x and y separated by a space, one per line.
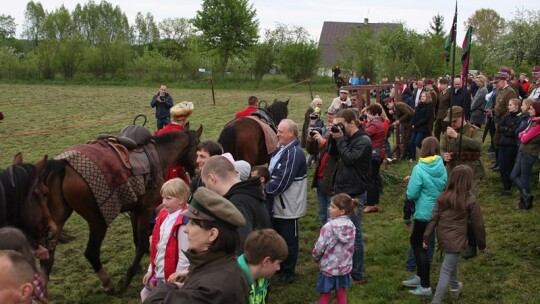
pixel 42 119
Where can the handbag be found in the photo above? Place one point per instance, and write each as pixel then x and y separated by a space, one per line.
pixel 375 154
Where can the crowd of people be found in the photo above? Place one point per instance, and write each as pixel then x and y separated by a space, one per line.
pixel 219 236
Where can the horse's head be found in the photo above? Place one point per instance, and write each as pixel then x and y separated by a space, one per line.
pixel 180 147
pixel 278 110
pixel 26 200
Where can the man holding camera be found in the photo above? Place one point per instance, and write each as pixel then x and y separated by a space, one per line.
pixel 353 147
pixel 163 102
pixel 342 101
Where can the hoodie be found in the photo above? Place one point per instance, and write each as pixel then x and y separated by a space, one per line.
pixel 428 180
pixel 335 247
pixel 248 197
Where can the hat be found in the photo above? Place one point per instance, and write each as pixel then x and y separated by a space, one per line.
pixel 331 111
pixel 243 168
pixel 499 76
pixel 428 82
pixel 506 70
pixel 343 91
pixel 457 112
pixel 536 69
pixel 229 157
pixel 183 109
pixel 209 206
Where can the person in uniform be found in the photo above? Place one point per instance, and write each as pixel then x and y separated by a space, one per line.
pixel 440 108
pixel 461 145
pixel 534 90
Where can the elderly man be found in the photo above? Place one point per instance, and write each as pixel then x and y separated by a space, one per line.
pixel 287 188
pixel 220 176
pixel 342 101
pixel 16 277
pixel 534 90
pixel 459 96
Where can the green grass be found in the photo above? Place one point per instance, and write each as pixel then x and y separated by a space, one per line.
pixel 61 116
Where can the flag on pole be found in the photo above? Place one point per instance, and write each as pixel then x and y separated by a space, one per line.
pixel 451 38
pixel 466 53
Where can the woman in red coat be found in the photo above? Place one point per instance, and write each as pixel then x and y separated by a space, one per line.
pixel 179 117
pixel 376 130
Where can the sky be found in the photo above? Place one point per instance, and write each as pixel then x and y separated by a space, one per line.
pixel 309 14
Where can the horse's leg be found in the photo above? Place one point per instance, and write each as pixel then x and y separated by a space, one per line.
pixel 140 219
pixel 80 198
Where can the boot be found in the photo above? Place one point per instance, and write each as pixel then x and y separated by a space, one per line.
pixel 525 196
pixel 528 202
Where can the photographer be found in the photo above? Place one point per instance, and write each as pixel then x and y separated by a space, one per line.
pixel 353 147
pixel 312 119
pixel 163 102
pixel 323 179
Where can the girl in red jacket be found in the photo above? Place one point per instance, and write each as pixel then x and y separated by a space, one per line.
pixel 168 241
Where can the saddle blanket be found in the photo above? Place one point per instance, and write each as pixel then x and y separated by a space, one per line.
pixel 270 137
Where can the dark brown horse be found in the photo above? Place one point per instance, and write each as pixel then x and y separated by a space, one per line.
pixel 69 191
pixel 244 137
pixel 23 201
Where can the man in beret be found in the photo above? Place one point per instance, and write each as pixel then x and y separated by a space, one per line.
pixel 163 102
pixel 461 145
pixel 220 176
pixel 287 188
pixel 510 78
pixel 502 98
pixel 534 90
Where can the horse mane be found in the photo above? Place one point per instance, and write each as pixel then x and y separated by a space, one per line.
pixel 171 136
pixel 13 200
pixel 278 110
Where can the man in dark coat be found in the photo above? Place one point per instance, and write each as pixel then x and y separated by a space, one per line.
pixel 220 176
pixel 459 96
pixel 163 102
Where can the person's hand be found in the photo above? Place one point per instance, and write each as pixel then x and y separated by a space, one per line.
pixel 337 134
pixel 318 137
pixel 450 132
pixel 447 157
pixel 407 178
pixel 395 123
pixel 424 245
pixel 41 253
pixel 146 278
pixel 178 278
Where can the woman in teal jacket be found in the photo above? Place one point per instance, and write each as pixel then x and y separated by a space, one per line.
pixel 427 181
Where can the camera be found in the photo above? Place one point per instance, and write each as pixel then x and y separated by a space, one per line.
pixel 313 131
pixel 362 117
pixel 335 128
pixel 313 116
pixel 162 98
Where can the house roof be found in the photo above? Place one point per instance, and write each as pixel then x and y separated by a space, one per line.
pixel 333 31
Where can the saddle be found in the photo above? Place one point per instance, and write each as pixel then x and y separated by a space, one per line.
pixel 264 116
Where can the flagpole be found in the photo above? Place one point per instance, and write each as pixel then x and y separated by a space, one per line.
pixel 464 73
pixel 454 38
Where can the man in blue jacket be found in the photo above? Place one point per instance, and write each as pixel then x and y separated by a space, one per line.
pixel 287 188
pixel 163 102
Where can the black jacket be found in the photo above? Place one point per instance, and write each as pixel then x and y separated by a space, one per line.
pixel 422 117
pixel 353 171
pixel 509 123
pixel 461 98
pixel 248 197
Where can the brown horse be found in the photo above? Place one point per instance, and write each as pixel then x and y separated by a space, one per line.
pixel 244 137
pixel 69 191
pixel 23 201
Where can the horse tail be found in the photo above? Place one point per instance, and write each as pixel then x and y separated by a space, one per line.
pixel 227 139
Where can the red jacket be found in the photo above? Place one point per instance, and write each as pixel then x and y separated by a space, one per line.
pixel 171 250
pixel 175 170
pixel 246 112
pixel 376 130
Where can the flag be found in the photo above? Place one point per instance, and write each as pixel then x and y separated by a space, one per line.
pixel 466 53
pixel 451 38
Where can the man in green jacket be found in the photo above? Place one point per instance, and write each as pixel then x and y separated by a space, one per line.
pixel 461 145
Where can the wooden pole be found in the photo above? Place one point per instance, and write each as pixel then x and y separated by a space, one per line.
pixel 213 94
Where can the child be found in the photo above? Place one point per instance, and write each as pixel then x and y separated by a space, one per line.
pixel 168 241
pixel 334 249
pixel 455 207
pixel 427 180
pixel 13 239
pixel 264 250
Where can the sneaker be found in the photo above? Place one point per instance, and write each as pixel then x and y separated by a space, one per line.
pixel 421 291
pixel 412 281
pixel 454 293
pixel 412 161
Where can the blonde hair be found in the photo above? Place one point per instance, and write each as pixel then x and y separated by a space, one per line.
pixel 175 187
pixel 428 96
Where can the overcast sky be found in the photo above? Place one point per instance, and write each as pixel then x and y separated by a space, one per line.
pixel 307 13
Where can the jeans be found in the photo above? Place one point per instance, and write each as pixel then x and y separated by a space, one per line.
pixel 288 229
pixel 387 148
pixel 162 122
pixel 323 200
pixel 416 141
pixel 410 264
pixel 506 158
pixel 357 272
pixel 521 174
pixel 420 254
pixel 448 275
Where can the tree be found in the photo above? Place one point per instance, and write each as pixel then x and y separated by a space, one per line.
pixel 488 25
pixel 177 29
pixel 34 19
pixel 359 51
pixel 437 25
pixel 145 30
pixel 227 26
pixel 300 60
pixel 7 27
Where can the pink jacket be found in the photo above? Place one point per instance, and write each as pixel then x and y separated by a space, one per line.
pixel 335 246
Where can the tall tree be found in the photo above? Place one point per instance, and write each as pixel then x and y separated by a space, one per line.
pixel 177 29
pixel 7 27
pixel 437 25
pixel 34 18
pixel 488 25
pixel 145 30
pixel 228 26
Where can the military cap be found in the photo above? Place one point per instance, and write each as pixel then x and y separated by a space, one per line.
pixel 508 71
pixel 428 82
pixel 209 206
pixel 457 112
pixel 499 76
pixel 536 69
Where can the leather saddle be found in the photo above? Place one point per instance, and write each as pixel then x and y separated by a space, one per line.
pixel 264 116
